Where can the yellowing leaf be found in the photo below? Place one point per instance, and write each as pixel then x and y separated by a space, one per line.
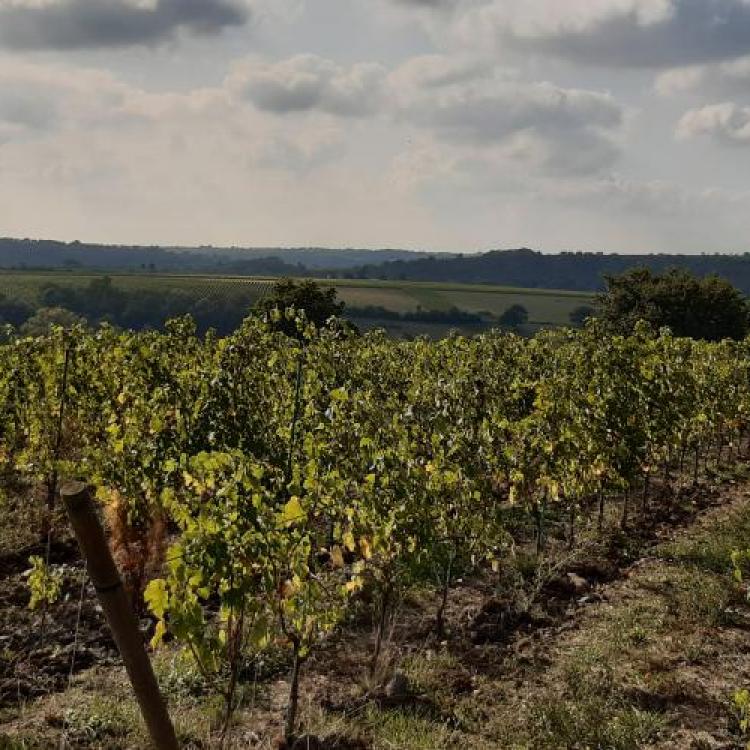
pixel 159 633
pixel 365 548
pixel 156 597
pixel 354 585
pixel 337 557
pixel 349 542
pixel 293 512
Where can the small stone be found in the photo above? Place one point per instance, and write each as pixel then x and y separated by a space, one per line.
pixel 579 584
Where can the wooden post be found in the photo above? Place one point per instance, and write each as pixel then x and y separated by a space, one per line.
pixel 114 601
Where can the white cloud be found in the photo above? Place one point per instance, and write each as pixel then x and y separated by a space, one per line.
pixel 727 122
pixel 680 80
pixel 436 71
pixel 60 112
pixel 728 78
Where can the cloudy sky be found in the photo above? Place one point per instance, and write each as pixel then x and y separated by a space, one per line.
pixel 615 125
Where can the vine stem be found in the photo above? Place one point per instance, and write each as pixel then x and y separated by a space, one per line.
pixel 446 583
pixel 385 602
pixel 291 711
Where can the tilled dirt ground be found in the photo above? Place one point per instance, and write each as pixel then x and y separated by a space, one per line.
pixel 40 649
pixel 625 643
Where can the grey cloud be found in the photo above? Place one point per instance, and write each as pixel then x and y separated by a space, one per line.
pixel 307 82
pixel 487 115
pixel 567 130
pixel 26 109
pixel 71 24
pixel 429 3
pixel 619 33
pixel 461 100
pixel 695 31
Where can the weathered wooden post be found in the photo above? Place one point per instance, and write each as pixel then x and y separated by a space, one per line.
pixel 103 572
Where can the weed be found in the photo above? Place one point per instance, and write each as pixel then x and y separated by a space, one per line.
pixel 711 549
pixel 99 721
pixel 634 626
pixel 394 730
pixel 591 720
pixel 590 711
pixel 694 596
pixel 741 705
pixel 179 677
pixel 638 636
pixel 431 673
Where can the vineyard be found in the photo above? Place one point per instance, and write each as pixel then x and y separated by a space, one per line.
pixel 266 496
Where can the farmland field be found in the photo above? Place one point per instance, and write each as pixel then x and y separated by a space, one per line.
pixel 546 307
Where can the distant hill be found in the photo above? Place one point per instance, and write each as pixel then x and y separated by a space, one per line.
pixel 519 268
pixel 26 253
pixel 530 269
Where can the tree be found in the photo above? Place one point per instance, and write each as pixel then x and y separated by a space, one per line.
pixel 707 308
pixel 579 315
pixel 319 305
pixel 515 315
pixel 47 317
pixel 14 312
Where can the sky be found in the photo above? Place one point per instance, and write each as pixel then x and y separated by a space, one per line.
pixel 457 125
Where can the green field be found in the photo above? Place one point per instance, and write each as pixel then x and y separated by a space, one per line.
pixel 547 307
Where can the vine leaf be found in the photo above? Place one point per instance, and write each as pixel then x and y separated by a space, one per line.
pixel 293 512
pixel 156 597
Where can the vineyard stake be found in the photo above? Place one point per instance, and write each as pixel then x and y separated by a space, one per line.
pixel 116 606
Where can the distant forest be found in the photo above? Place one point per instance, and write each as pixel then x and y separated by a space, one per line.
pixel 573 271
pixel 51 254
pixel 518 268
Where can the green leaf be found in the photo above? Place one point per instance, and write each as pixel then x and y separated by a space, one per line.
pixel 260 633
